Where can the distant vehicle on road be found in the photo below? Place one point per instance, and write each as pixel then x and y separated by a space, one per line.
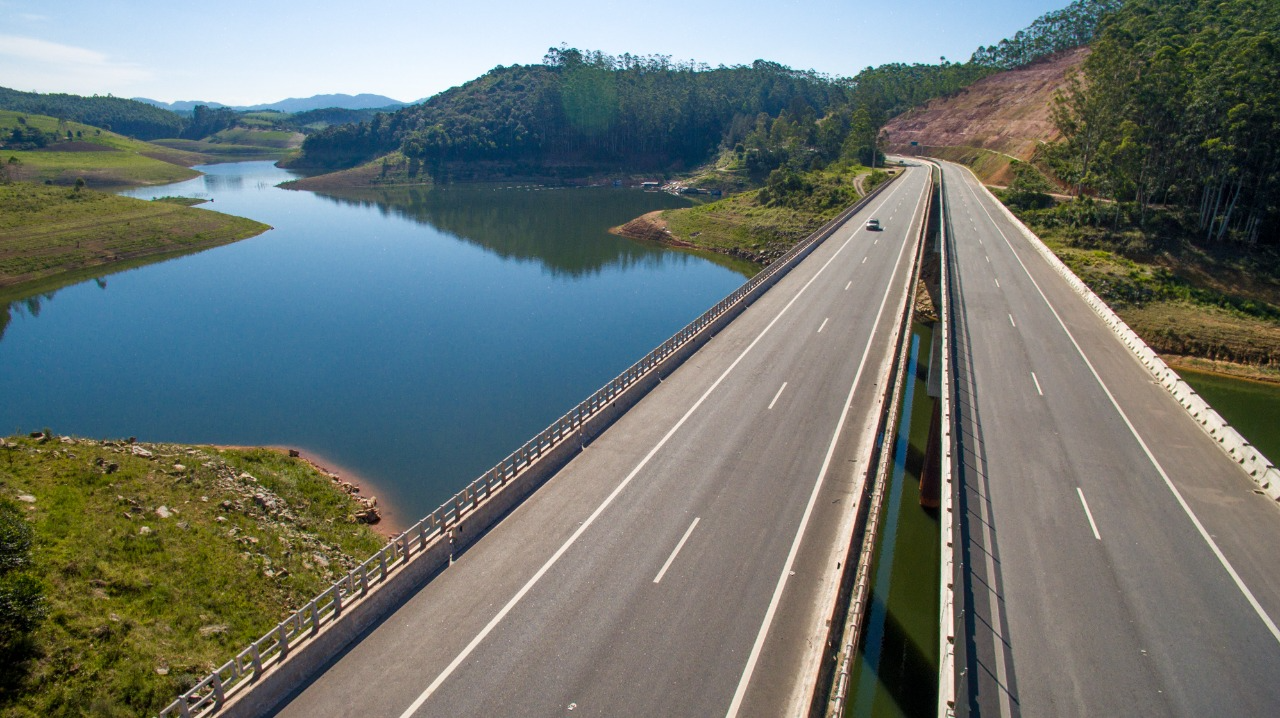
pixel 873 224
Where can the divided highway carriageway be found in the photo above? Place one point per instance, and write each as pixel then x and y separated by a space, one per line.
pixel 1118 561
pixel 685 563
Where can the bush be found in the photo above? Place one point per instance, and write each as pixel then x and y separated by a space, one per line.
pixel 21 595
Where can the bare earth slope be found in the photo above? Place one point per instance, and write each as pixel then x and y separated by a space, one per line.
pixel 1007 113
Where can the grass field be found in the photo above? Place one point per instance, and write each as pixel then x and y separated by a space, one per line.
pixel 743 226
pixel 159 562
pixel 50 236
pixel 103 159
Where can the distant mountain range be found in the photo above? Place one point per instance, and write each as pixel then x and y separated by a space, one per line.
pixel 291 105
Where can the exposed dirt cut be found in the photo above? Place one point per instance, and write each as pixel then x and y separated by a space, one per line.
pixel 1007 113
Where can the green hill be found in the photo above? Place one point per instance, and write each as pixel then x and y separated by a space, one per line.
pixel 127 117
pixel 60 152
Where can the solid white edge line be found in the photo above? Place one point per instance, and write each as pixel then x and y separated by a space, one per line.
pixel 1037 381
pixel 582 528
pixel 824 324
pixel 1088 514
pixel 1204 533
pixel 756 648
pixel 778 395
pixel 672 557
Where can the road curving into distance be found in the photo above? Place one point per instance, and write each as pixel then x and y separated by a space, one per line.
pixel 683 564
pixel 1119 563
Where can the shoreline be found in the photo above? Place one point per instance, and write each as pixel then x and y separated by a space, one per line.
pixel 388 526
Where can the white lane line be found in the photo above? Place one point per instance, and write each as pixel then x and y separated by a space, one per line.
pixel 850 284
pixel 876 242
pixel 1195 520
pixel 582 528
pixel 672 557
pixel 1087 513
pixel 741 693
pixel 824 324
pixel 988 259
pixel 979 241
pixel 779 394
pixel 997 284
pixel 1037 381
pixel 1011 322
pixel 864 260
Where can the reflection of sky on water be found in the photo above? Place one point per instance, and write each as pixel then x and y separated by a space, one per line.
pixel 415 343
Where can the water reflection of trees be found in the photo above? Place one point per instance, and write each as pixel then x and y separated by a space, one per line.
pixel 31 305
pixel 563 229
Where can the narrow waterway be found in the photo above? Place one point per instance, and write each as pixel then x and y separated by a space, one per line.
pixel 896 671
pixel 412 338
pixel 1252 407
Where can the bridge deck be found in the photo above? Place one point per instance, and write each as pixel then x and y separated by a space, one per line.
pixel 714 484
pixel 1093 591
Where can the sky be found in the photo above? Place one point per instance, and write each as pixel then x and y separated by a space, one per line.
pixel 242 53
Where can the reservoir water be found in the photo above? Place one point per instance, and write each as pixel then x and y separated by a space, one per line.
pixel 412 337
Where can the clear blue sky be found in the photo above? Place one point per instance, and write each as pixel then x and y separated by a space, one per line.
pixel 238 52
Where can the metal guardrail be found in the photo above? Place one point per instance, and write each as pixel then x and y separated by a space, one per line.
pixel 210 694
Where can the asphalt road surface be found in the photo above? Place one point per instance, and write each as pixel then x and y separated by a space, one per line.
pixel 1119 562
pixel 682 565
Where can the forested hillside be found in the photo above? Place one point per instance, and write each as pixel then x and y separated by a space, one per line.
pixel 125 117
pixel 1179 106
pixel 1051 33
pixel 582 108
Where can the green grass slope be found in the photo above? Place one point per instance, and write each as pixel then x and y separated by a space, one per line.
pixel 159 562
pixel 51 236
pixel 103 159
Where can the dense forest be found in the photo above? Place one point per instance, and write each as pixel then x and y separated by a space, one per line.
pixel 1072 26
pixel 126 117
pixel 1178 106
pixel 641 113
pixel 590 109
pixel 583 108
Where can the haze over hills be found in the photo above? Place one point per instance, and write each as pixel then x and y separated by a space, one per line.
pixel 363 101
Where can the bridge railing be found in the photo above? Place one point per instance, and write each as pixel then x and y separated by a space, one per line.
pixel 213 692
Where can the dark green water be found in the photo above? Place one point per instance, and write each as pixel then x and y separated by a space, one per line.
pixel 1252 407
pixel 411 338
pixel 896 673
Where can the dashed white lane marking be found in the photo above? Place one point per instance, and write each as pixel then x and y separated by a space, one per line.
pixel 864 260
pixel 1088 514
pixel 1011 322
pixel 672 557
pixel 775 396
pixel 824 324
pixel 850 284
pixel 1168 482
pixel 585 525
pixel 997 283
pixel 750 667
pixel 1037 381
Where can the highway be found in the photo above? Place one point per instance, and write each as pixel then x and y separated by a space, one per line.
pixel 684 563
pixel 1119 563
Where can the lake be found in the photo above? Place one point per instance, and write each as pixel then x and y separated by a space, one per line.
pixel 410 337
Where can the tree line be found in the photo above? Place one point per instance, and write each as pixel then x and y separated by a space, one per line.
pixel 126 117
pixel 1178 106
pixel 1051 33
